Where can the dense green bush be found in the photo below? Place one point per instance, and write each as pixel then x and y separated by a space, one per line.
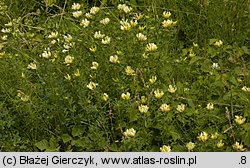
pixel 173 75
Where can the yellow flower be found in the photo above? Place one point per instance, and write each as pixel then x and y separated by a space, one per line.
pixel 125 25
pixel 129 132
pixel 203 136
pixel 53 41
pixel 119 52
pixel 125 96
pixel 94 65
pixel 124 8
pixel 143 108
pixel 215 65
pixel 88 15
pixel 106 40
pixel 67 77
pixel 195 44
pixel 105 21
pixel 152 80
pixel 214 136
pixel 165 108
pixel 93 49
pixel 94 10
pixel 158 93
pixel 105 96
pixel 143 99
pixel 191 53
pixel 6 30
pixel 210 106
pixel 172 89
pixel 145 56
pixel 114 59
pixel 8 24
pixel 141 28
pixel 32 66
pixel 46 53
pixel 129 71
pixel 92 85
pixel 165 148
pixel 167 23
pixel 77 14
pixel 141 37
pixel 23 97
pixel 237 146
pixel 138 16
pixel 220 144
pixel 166 14
pixel 68 60
pixel 76 6
pixel 180 108
pixel 53 35
pixel 246 89
pixel 98 35
pixel 151 47
pixel 190 146
pixel 77 73
pixel 66 46
pixel 5 37
pixel 68 38
pixel 85 23
pixel 133 23
pixel 23 75
pixel 218 43
pixel 239 120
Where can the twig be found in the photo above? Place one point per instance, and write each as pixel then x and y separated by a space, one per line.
pixel 230 123
pixel 139 73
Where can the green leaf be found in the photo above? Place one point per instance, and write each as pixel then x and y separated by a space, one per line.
pixel 51 2
pixel 76 131
pixel 133 115
pixel 78 143
pixel 246 134
pixel 66 138
pixel 184 52
pixel 42 145
pixel 194 59
pixel 212 41
pixel 246 50
pixel 52 149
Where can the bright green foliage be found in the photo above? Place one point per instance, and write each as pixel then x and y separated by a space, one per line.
pixel 172 73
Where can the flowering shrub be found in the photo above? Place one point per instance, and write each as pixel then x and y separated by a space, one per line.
pixel 115 79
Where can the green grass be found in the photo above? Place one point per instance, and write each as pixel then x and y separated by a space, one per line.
pixel 49 103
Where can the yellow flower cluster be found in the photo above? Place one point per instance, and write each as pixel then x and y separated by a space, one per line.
pixel 23 96
pixel 210 106
pixel 239 147
pixel 203 136
pixel 165 148
pixel 190 146
pixel 240 120
pixel 125 25
pixel 129 132
pixel 172 89
pixel 165 107
pixel 181 107
pixel 92 85
pixel 125 96
pixel 158 93
pixel 143 108
pixel 129 71
pixel 245 89
pixel 124 8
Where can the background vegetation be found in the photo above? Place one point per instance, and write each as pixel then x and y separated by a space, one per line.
pixel 45 104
